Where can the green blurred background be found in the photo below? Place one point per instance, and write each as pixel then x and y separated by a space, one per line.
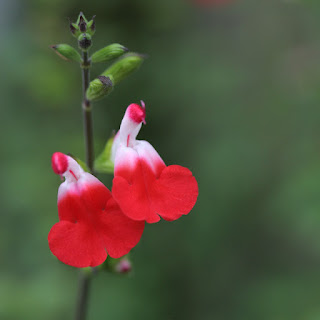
pixel 233 93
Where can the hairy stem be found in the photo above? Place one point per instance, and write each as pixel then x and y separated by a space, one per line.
pixel 84 277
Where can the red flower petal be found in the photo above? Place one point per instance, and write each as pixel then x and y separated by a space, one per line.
pixel 175 193
pixel 70 207
pixel 91 224
pixel 142 196
pixel 131 184
pixel 76 244
pixel 94 193
pixel 119 233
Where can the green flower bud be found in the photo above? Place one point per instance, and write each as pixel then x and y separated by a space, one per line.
pixel 98 88
pixel 84 41
pixel 110 52
pixel 66 52
pixel 122 68
pixel 74 29
pixel 91 26
pixel 81 17
pixel 82 24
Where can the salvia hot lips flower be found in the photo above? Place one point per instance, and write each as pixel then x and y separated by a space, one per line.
pixel 91 223
pixel 144 187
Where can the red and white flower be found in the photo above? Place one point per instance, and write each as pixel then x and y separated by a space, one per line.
pixel 91 223
pixel 143 186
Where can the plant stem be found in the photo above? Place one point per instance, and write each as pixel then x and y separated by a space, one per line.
pixel 83 294
pixel 84 277
pixel 87 116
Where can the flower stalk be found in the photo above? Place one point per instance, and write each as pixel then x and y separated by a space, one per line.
pixel 86 109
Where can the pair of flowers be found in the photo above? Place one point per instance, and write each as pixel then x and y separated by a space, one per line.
pixel 95 222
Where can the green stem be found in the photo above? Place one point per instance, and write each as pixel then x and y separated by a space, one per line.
pixel 84 277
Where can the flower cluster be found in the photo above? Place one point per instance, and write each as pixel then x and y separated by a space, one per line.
pixel 93 222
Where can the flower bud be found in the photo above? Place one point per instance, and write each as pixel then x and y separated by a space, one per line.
pixel 98 88
pixel 110 52
pixel 66 52
pixel 84 41
pixel 74 29
pixel 81 18
pixel 124 67
pixel 91 26
pixel 82 24
pixel 123 266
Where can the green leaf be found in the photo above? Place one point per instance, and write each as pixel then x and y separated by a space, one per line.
pixel 107 53
pixel 103 163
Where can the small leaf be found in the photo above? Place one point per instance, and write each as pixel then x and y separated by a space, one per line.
pixel 110 52
pixel 103 163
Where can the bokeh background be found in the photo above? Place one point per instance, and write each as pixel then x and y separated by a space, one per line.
pixel 232 90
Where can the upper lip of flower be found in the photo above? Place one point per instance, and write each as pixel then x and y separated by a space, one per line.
pixel 137 113
pixel 59 162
